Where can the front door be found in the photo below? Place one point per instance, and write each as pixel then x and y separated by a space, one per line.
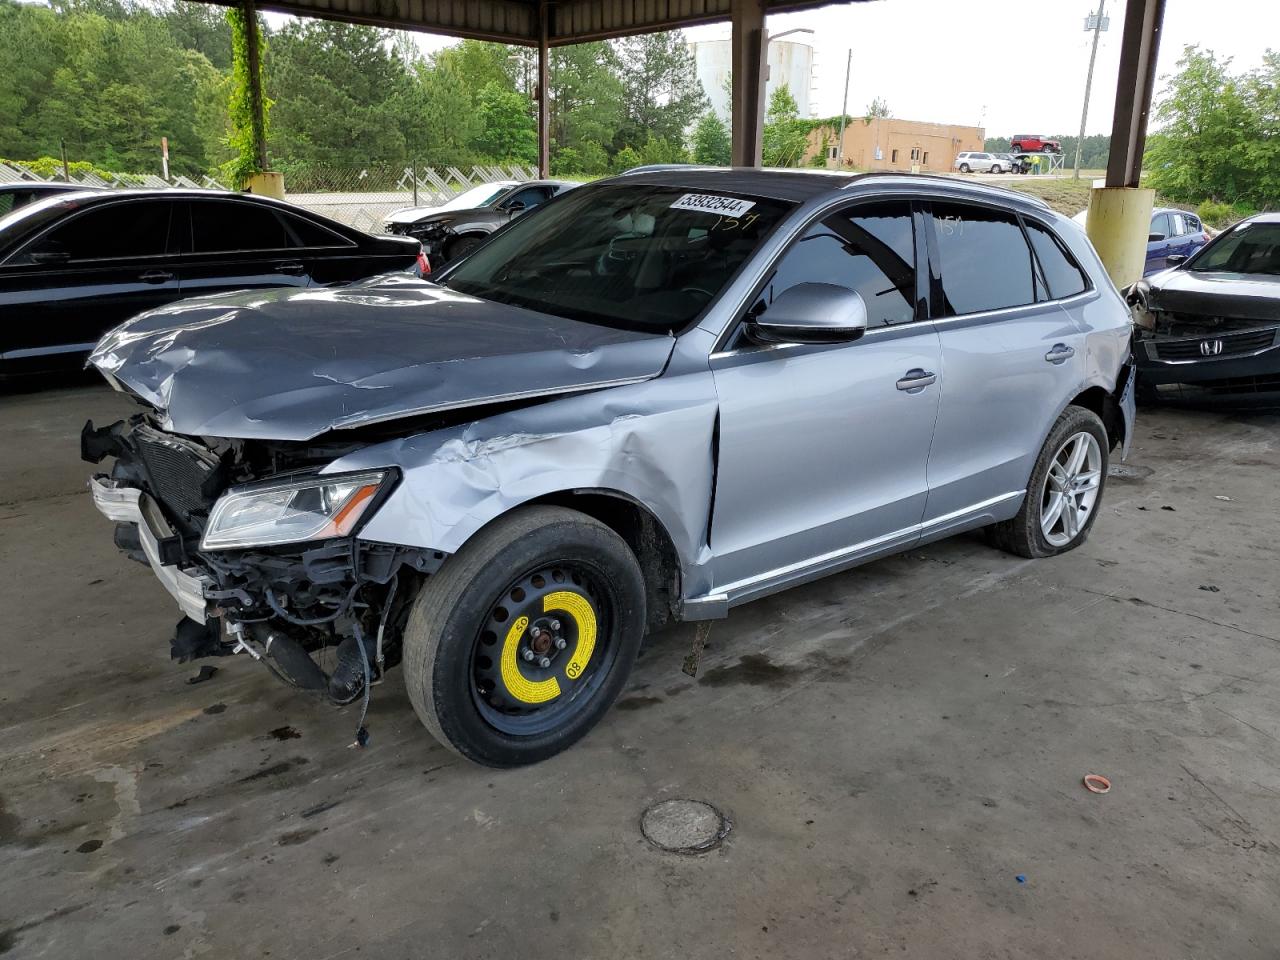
pixel 84 277
pixel 823 448
pixel 1012 353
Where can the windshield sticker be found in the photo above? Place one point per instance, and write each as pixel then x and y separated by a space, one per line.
pixel 707 203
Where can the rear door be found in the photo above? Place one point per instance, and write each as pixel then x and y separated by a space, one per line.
pixel 1011 357
pixel 823 447
pixel 233 244
pixel 85 275
pixel 331 257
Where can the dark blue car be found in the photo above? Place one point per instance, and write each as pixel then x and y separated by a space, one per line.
pixel 1175 235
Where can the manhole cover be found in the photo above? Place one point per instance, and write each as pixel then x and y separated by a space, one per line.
pixel 684 826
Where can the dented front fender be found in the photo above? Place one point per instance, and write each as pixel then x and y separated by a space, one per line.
pixel 651 442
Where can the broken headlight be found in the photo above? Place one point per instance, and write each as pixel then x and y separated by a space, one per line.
pixel 264 515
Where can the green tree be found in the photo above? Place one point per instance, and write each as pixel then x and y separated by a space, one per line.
pixel 341 95
pixel 625 159
pixel 785 137
pixel 658 150
pixel 878 108
pixel 507 129
pixel 1208 123
pixel 662 95
pixel 711 141
pixel 585 96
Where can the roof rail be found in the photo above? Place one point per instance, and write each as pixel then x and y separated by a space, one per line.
pixel 951 181
pixel 659 167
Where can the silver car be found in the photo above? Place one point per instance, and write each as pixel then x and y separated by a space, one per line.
pixel 654 398
pixel 969 162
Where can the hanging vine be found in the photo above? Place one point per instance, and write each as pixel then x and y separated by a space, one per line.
pixel 248 134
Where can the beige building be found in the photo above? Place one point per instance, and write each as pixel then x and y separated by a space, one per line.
pixel 887 143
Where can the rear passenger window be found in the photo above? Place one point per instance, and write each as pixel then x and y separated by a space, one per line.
pixel 308 234
pixel 1064 277
pixel 226 226
pixel 985 261
pixel 869 249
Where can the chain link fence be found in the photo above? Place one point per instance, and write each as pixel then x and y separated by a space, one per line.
pixel 358 195
pixel 361 196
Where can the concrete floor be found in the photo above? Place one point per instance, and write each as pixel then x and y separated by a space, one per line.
pixel 895 746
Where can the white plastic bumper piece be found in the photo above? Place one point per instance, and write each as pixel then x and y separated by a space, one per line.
pixel 130 505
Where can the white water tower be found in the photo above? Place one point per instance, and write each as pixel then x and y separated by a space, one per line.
pixel 789 63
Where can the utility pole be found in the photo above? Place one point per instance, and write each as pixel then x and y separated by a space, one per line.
pixel 1098 27
pixel 844 110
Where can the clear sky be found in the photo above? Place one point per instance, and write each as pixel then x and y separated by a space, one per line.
pixel 1014 67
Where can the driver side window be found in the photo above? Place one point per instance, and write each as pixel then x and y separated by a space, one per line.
pixel 530 197
pixel 869 249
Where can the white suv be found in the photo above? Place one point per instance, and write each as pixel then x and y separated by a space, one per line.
pixel 979 163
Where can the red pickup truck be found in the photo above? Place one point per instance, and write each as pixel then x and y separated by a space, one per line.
pixel 1029 143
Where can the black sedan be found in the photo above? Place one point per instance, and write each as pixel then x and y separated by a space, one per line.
pixel 1209 327
pixel 76 265
pixel 453 229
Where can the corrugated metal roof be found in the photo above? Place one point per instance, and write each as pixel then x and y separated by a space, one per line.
pixel 517 21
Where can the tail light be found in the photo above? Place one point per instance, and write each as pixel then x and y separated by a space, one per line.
pixel 424 265
pixel 1206 236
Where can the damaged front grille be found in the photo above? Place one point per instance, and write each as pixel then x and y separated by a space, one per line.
pixel 1227 345
pixel 178 471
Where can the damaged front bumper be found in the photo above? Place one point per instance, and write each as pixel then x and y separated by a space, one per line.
pixel 124 504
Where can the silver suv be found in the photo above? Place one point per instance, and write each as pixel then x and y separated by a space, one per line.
pixel 967 162
pixel 653 398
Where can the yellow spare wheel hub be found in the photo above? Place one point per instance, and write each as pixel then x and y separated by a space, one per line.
pixel 538 643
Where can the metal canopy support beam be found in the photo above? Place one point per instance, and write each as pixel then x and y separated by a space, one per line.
pixel 750 65
pixel 257 105
pixel 544 120
pixel 1139 46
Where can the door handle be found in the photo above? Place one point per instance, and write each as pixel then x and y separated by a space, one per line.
pixel 1060 353
pixel 916 380
pixel 293 269
pixel 155 276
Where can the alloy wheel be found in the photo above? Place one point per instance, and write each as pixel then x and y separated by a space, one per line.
pixel 1071 488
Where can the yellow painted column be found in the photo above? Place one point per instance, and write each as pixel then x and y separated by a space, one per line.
pixel 1118 225
pixel 268 184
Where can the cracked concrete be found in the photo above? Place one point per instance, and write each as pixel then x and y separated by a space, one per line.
pixel 895 746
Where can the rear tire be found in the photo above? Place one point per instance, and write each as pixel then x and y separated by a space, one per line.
pixel 964 168
pixel 535 570
pixel 1058 483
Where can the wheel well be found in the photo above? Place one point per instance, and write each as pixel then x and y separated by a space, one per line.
pixel 1108 410
pixel 646 537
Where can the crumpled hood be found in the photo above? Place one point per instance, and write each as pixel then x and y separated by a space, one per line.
pixel 1229 295
pixel 411 214
pixel 289 365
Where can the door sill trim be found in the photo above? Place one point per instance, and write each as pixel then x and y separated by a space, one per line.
pixel 717 602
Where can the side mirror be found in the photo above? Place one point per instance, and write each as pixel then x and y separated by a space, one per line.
pixel 51 252
pixel 1174 259
pixel 1154 237
pixel 812 313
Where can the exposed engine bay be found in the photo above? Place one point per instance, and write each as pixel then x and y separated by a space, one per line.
pixel 325 614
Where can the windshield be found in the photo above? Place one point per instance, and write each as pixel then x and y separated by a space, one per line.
pixel 623 255
pixel 475 197
pixel 1249 248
